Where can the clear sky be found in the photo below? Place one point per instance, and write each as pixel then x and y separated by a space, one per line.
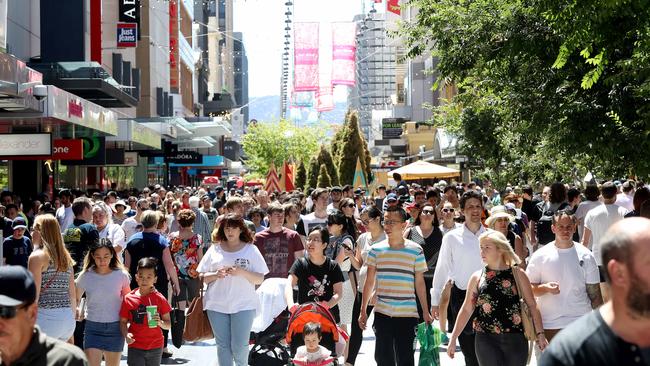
pixel 262 24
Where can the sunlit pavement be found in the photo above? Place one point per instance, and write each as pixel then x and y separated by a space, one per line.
pixel 205 354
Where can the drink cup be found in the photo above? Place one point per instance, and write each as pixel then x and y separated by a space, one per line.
pixel 151 311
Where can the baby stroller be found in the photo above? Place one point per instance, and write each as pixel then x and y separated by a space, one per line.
pixel 270 326
pixel 313 312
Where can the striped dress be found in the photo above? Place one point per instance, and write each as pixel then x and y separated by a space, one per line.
pixel 395 277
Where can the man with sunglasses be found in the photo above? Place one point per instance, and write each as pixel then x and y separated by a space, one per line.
pixel 21 342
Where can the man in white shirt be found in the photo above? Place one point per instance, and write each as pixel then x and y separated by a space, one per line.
pixel 597 221
pixel 64 214
pixel 133 224
pixel 564 276
pixel 626 197
pixel 336 194
pixel 459 258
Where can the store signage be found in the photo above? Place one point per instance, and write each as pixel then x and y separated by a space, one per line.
pixel 391 128
pixel 127 34
pixel 129 11
pixel 75 108
pixel 94 152
pixel 25 145
pixel 184 157
pixel 68 150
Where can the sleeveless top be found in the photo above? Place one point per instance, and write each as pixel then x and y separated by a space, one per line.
pixel 55 289
pixel 430 246
pixel 497 304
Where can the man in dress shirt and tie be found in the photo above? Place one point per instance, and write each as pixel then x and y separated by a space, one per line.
pixel 459 258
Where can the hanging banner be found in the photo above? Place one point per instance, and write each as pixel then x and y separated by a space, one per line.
pixel 174 51
pixel 325 98
pixel 344 53
pixel 393 7
pixel 302 99
pixel 305 56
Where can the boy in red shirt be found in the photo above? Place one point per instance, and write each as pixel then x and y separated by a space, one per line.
pixel 139 322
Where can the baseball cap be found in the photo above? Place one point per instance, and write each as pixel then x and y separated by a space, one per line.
pixel 358 191
pixel 18 223
pixel 336 189
pixel 391 197
pixel 218 189
pixel 17 286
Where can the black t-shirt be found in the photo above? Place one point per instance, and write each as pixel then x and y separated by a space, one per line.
pixel 144 245
pixel 589 341
pixel 17 251
pixel 316 283
pixel 528 207
pixel 78 238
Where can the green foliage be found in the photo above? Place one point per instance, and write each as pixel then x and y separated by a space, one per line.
pixel 301 176
pixel 324 178
pixel 325 158
pixel 278 142
pixel 351 145
pixel 548 89
pixel 312 173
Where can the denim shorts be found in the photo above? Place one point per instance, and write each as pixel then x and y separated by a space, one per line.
pixel 103 336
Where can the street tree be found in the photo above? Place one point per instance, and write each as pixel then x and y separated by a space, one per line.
pixel 352 145
pixel 325 158
pixel 312 173
pixel 278 142
pixel 546 89
pixel 301 176
pixel 324 178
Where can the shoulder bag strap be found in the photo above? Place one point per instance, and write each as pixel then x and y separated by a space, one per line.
pixel 49 282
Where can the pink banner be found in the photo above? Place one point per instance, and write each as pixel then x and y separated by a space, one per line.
pixel 324 98
pixel 344 53
pixel 305 56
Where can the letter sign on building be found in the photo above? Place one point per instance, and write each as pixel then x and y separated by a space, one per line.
pixel 130 12
pixel 127 34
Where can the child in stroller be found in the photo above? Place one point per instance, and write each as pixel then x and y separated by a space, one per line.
pixel 312 353
pixel 313 312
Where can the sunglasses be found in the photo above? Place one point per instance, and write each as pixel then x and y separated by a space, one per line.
pixel 447 210
pixel 349 205
pixel 427 212
pixel 9 312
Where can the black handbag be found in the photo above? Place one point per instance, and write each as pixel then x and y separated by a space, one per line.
pixel 178 325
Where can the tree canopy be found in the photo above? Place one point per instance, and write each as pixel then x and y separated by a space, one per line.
pixel 281 141
pixel 547 89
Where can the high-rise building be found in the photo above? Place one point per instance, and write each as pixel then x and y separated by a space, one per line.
pixel 241 75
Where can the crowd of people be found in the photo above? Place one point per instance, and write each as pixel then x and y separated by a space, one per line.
pixel 100 270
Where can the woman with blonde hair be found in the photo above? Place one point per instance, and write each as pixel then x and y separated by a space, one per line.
pixel 492 293
pixel 52 268
pixel 500 220
pixel 107 228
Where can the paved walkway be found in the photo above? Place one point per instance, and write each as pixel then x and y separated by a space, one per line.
pixel 205 354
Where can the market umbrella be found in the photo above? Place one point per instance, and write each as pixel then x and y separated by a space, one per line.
pixel 425 170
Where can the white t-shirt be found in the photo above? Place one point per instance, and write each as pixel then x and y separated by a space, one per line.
pixel 598 220
pixel 232 294
pixel 626 201
pixel 309 221
pixel 130 227
pixel 65 217
pixel 104 294
pixel 572 269
pixel 115 234
pixel 581 212
pixel 365 242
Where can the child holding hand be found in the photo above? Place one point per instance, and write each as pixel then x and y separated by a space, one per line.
pixel 143 313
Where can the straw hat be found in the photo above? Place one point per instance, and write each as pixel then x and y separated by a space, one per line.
pixel 498 212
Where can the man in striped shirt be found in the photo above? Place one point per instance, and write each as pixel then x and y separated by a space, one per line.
pixel 397 266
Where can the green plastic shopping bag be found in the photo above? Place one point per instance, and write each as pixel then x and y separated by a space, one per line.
pixel 430 339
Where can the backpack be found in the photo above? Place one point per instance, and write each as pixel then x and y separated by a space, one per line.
pixel 544 233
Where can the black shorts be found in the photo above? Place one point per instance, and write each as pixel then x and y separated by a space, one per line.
pixel 601 271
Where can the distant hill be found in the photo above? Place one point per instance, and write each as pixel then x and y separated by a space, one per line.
pixel 267 109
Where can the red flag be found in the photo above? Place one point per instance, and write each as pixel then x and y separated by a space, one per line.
pixel 288 178
pixel 393 6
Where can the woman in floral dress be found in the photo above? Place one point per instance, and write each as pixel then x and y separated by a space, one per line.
pixel 187 251
pixel 493 299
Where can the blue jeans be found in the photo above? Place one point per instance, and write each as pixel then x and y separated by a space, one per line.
pixel 232 333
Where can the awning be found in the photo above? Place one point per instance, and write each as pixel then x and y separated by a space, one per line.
pixel 424 170
pixel 16 86
pixel 70 108
pixel 133 133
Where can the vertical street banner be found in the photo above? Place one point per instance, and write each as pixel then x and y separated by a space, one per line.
pixel 272 180
pixel 286 179
pixel 344 53
pixel 325 98
pixel 174 51
pixel 359 177
pixel 306 41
